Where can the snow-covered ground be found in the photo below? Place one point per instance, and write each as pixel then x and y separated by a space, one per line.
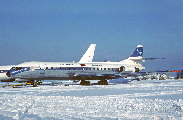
pixel 150 99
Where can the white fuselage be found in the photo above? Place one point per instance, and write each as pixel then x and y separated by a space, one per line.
pixel 71 71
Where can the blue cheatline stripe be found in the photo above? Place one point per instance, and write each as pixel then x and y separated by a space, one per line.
pixel 4 71
pixel 23 69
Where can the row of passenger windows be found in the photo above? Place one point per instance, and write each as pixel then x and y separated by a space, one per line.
pixel 80 68
pixel 66 64
pixel 67 68
pixel 16 68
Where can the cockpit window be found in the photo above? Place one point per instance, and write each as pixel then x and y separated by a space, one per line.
pixel 13 68
pixel 16 68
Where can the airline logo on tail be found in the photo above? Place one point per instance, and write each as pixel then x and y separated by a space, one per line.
pixel 138 51
pixel 137 54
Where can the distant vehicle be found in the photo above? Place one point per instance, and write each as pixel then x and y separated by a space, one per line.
pixel 158 75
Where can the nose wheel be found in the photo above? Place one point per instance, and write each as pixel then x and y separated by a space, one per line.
pixel 35 83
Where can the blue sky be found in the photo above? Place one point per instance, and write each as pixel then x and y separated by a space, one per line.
pixel 62 30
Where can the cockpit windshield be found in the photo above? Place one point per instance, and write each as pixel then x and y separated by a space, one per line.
pixel 16 68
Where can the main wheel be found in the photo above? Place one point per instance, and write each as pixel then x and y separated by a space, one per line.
pixel 35 84
pixel 102 82
pixel 83 82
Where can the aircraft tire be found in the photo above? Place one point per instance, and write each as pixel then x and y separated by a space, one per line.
pixel 102 82
pixel 35 84
pixel 39 83
pixel 83 82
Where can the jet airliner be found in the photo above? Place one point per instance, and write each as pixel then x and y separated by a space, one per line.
pixel 34 72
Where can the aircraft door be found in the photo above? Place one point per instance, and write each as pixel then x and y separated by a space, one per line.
pixel 137 69
pixel 121 69
pixel 42 69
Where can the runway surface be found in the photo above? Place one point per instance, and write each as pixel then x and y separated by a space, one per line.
pixel 146 100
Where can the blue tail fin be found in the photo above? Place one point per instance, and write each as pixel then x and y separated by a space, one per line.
pixel 138 51
pixel 137 55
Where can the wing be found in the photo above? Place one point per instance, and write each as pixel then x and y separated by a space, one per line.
pixel 97 76
pixel 132 74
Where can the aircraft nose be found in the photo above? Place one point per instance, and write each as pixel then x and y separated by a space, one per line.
pixel 8 73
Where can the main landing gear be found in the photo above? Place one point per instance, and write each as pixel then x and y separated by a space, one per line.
pixel 102 82
pixel 83 82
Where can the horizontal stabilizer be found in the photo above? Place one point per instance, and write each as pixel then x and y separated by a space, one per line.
pixel 152 58
pixel 166 71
